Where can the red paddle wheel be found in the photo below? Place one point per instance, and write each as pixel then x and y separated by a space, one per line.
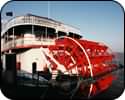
pixel 85 59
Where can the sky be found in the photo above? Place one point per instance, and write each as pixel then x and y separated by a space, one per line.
pixel 101 21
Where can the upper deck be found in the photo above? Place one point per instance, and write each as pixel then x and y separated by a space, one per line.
pixel 30 19
pixel 30 30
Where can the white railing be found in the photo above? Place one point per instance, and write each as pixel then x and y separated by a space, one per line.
pixel 23 20
pixel 32 20
pixel 9 44
pixel 25 42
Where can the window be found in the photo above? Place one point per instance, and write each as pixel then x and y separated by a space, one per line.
pixel 60 33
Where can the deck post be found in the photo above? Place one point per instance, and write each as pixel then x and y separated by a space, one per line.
pixel 13 38
pixel 32 29
pixel 46 32
pixel 7 36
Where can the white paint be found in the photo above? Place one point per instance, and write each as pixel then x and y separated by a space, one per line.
pixel 30 56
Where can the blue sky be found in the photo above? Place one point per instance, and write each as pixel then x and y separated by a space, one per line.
pixel 99 21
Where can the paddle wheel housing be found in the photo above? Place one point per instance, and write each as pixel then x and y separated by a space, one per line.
pixel 83 58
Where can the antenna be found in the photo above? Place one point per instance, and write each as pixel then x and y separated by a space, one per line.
pixel 48 16
pixel 48 9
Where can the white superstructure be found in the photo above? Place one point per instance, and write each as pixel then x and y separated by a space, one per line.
pixel 25 35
